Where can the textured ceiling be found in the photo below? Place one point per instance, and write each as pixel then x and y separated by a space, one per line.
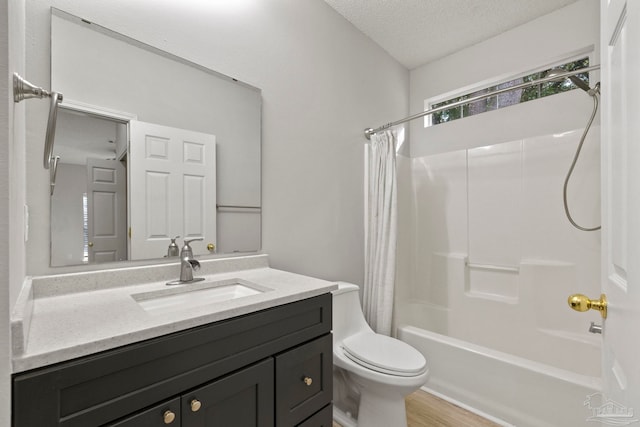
pixel 418 31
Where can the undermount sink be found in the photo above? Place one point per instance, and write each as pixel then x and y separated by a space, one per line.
pixel 196 295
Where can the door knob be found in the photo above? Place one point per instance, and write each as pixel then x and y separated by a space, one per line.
pixel 581 302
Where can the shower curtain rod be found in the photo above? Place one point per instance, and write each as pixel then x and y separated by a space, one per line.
pixel 369 131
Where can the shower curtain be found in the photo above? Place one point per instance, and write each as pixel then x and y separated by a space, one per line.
pixel 381 233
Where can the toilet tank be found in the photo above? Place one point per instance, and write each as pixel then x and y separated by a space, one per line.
pixel 347 312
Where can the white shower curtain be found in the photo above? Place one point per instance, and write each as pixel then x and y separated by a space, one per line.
pixel 381 234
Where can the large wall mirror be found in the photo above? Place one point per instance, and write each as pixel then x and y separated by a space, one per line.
pixel 150 147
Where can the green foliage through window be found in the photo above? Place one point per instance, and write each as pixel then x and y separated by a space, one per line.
pixel 513 97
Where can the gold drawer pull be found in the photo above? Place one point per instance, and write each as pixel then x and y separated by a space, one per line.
pixel 307 380
pixel 168 417
pixel 195 405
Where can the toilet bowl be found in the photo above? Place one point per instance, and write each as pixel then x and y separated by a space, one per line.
pixel 373 373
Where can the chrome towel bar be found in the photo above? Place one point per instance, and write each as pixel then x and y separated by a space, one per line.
pixel 22 89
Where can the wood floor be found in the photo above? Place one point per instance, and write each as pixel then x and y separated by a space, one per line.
pixel 427 410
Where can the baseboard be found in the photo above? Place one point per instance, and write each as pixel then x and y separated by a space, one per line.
pixel 467 407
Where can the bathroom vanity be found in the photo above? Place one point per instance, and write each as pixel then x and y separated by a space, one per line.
pixel 263 359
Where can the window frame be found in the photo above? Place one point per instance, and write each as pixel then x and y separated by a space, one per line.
pixel 498 82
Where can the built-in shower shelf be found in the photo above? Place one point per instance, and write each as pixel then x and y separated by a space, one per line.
pixel 492 267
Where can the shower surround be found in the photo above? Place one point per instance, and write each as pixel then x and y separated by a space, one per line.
pixel 487 257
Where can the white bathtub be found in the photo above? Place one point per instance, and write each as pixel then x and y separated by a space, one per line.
pixel 518 391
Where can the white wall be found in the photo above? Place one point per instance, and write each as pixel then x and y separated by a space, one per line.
pixel 322 83
pixel 12 187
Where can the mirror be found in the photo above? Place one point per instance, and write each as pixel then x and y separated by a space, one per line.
pixel 178 143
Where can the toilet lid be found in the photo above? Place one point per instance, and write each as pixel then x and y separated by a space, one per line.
pixel 384 354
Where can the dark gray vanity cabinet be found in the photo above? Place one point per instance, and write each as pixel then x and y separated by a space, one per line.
pixel 269 368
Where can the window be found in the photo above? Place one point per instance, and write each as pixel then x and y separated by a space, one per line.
pixel 85 229
pixel 506 99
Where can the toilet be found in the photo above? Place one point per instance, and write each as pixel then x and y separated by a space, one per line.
pixel 372 373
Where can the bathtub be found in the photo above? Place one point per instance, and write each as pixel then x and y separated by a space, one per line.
pixel 509 389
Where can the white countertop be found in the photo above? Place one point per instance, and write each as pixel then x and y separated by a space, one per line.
pixel 59 318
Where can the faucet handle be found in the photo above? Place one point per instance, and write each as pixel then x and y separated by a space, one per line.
pixel 186 249
pixel 186 242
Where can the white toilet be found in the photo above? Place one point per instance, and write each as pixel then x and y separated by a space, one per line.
pixel 372 373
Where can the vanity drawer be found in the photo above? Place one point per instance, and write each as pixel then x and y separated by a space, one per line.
pixel 243 399
pixel 304 380
pixel 167 413
pixel 322 418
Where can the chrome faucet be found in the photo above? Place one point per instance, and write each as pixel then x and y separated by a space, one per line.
pixel 188 264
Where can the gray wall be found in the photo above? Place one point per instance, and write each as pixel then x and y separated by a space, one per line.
pixel 5 341
pixel 12 186
pixel 322 82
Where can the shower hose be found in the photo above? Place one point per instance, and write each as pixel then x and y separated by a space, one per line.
pixel 594 94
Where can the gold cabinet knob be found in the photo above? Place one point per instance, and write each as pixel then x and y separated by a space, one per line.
pixel 581 302
pixel 90 244
pixel 195 405
pixel 307 380
pixel 168 417
pixel 211 247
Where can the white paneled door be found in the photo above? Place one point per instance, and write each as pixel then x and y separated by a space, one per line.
pixel 106 211
pixel 620 44
pixel 172 188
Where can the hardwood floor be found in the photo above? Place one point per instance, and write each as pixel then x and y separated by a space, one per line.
pixel 427 410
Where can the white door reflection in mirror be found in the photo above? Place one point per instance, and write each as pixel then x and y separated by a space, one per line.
pixel 106 210
pixel 172 188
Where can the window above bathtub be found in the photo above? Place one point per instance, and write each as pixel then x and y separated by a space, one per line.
pixel 517 96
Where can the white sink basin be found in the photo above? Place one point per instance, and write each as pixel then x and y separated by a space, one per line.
pixel 195 295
